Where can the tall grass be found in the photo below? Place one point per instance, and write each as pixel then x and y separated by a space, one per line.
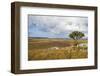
pixel 68 53
pixel 38 49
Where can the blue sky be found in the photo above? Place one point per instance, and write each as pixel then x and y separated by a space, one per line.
pixel 56 26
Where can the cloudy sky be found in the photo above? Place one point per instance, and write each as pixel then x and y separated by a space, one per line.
pixel 56 26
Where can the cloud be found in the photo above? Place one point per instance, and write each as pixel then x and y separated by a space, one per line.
pixel 56 26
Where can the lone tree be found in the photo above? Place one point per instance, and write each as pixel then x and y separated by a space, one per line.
pixel 76 35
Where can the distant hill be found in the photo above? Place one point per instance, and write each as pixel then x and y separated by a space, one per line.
pixel 53 38
pixel 45 38
pixel 39 37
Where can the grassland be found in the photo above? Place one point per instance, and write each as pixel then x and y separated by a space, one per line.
pixel 49 49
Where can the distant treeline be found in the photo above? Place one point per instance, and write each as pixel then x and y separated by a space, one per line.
pixel 53 38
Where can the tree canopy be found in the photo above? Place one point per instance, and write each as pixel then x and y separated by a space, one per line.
pixel 76 35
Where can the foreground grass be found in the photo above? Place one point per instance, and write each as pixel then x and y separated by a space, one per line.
pixel 39 49
pixel 68 53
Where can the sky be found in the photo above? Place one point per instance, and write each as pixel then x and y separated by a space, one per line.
pixel 56 26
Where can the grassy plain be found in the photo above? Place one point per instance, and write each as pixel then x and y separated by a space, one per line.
pixel 49 49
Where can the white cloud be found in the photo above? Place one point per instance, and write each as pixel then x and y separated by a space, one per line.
pixel 57 25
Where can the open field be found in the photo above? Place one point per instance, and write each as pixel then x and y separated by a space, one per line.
pixel 49 49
